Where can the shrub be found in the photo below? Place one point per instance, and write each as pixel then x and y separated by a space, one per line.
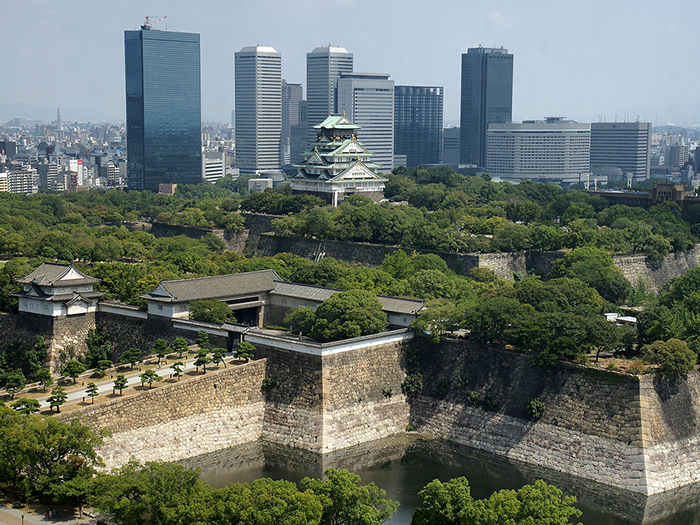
pixel 387 392
pixel 637 368
pixel 268 384
pixel 490 403
pixel 673 357
pixel 473 399
pixel 412 385
pixel 442 388
pixel 612 366
pixel 535 408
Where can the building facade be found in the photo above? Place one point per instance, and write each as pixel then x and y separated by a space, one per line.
pixel 292 95
pixel 163 108
pixel 258 108
pixel 324 66
pixel 337 165
pixel 622 145
pixel 418 117
pixel 552 150
pixel 367 99
pixel 487 98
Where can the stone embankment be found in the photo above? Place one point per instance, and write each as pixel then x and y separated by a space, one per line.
pixel 636 433
pixel 215 411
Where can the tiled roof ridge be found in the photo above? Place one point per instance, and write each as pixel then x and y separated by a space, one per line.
pixel 222 275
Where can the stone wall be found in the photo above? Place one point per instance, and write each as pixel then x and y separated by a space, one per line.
pixel 211 412
pixel 634 433
pixel 655 274
pixel 129 332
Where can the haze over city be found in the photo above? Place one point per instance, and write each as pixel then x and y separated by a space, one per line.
pixel 586 61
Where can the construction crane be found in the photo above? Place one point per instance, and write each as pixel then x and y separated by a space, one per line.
pixel 149 25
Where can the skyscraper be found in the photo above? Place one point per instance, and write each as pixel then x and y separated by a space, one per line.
pixel 258 108
pixel 323 68
pixel 292 95
pixel 367 99
pixel 623 145
pixel 418 124
pixel 163 108
pixel 487 98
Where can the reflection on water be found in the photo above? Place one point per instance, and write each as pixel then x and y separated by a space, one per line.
pixel 402 465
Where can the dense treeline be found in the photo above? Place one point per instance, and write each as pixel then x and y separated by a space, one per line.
pixel 443 210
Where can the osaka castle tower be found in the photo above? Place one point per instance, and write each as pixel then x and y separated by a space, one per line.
pixel 337 165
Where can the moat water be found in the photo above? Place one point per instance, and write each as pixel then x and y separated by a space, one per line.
pixel 403 465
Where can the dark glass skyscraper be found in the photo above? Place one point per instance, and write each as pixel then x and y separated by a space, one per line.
pixel 487 98
pixel 163 108
pixel 418 124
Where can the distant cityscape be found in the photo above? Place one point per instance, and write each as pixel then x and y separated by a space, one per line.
pixel 274 130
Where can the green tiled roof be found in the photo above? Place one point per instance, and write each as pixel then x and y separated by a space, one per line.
pixel 336 121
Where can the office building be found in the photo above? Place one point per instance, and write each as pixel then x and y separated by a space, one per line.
pixel 324 66
pixel 213 166
pixel 621 145
pixel 487 98
pixel 418 124
pixel 551 150
pixel 450 147
pixel 258 108
pixel 677 155
pixel 367 99
pixel 292 95
pixel 337 165
pixel 163 108
pixel 297 135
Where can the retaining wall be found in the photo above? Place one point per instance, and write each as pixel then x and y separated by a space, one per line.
pixel 180 420
pixel 634 433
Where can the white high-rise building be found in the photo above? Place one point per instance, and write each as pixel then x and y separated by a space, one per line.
pixel 551 150
pixel 622 145
pixel 324 66
pixel 258 113
pixel 368 100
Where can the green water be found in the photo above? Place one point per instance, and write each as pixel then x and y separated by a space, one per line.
pixel 403 465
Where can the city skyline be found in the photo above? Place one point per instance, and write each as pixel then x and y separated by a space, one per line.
pixel 565 67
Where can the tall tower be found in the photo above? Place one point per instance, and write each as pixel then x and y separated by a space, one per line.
pixel 623 145
pixel 368 100
pixel 487 98
pixel 258 108
pixel 418 124
pixel 292 95
pixel 324 66
pixel 163 108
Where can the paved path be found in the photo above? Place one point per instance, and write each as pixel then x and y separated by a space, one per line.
pixel 10 516
pixel 106 388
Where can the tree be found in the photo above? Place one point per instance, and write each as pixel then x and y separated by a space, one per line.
pixel 345 501
pixel 211 311
pixel 245 350
pixel 26 406
pixel 15 382
pixel 44 378
pixel 180 346
pixel 58 397
pixel 202 360
pixel 165 492
pixel 177 367
pixel 103 365
pixel 451 503
pixel 674 357
pixel 73 369
pixel 92 392
pixel 120 383
pixel 150 377
pixel 161 349
pixel 348 314
pixel 76 490
pixel 131 357
pixel 202 339
pixel 218 356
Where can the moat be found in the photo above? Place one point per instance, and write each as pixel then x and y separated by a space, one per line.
pixel 403 464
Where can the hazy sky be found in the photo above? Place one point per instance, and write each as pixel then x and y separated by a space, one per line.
pixel 582 60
